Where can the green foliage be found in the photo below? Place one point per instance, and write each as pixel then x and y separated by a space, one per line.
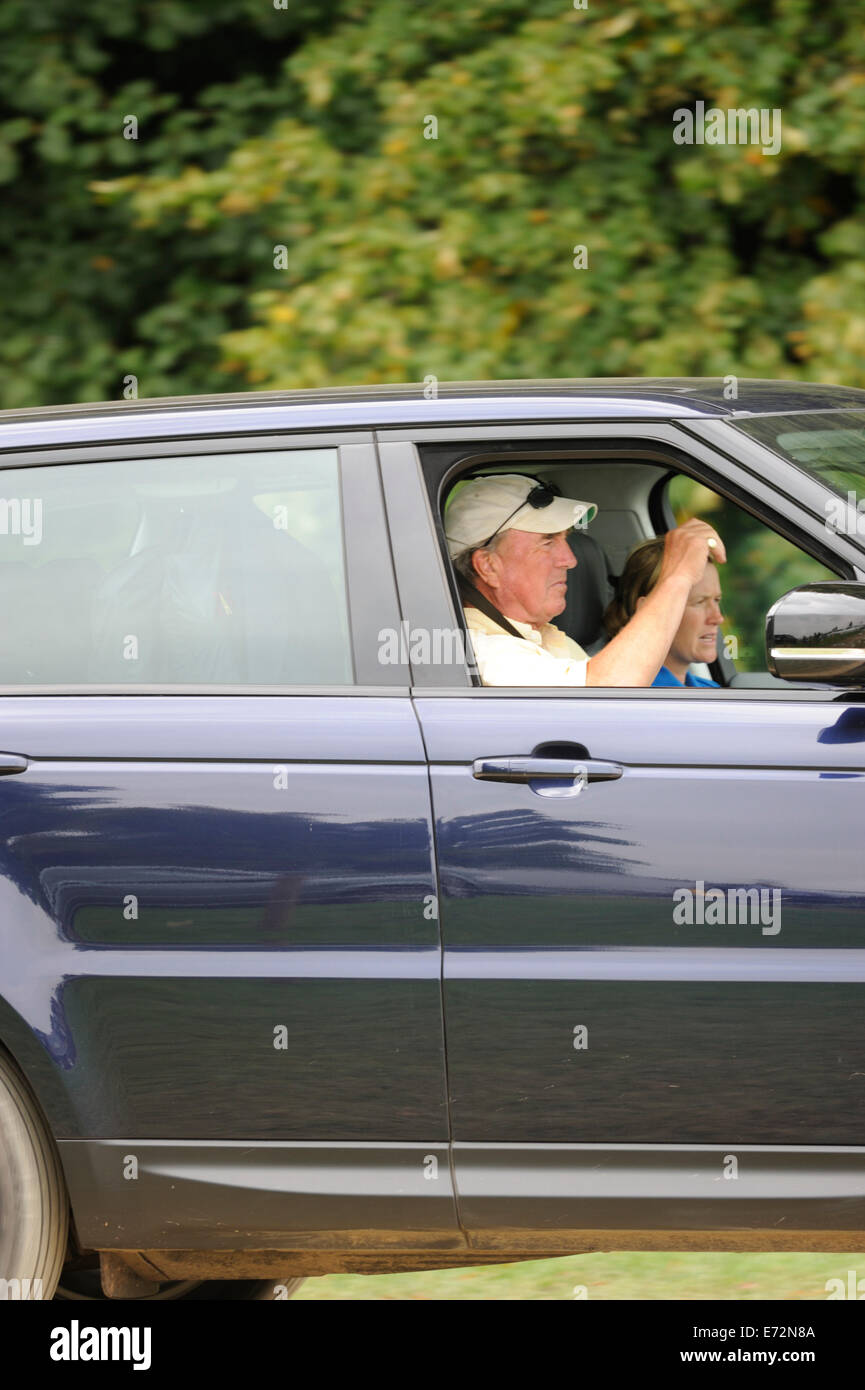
pixel 406 256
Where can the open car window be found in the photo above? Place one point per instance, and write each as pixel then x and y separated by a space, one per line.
pixel 761 567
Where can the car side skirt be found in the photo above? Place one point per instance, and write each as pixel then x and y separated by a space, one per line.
pixel 249 1210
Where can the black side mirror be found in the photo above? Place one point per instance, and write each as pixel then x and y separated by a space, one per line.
pixel 816 633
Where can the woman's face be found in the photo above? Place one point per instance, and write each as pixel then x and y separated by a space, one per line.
pixel 697 637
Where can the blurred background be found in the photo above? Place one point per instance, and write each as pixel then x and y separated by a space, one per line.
pixel 256 194
pixel 282 218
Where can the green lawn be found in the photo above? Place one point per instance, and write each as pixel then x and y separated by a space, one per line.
pixel 636 1276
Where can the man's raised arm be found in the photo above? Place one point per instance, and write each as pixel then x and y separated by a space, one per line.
pixel 636 654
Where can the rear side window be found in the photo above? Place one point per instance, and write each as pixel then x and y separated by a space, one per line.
pixel 174 571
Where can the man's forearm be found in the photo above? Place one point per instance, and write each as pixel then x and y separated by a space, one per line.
pixel 636 654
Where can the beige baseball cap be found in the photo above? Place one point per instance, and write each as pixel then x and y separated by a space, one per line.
pixel 477 509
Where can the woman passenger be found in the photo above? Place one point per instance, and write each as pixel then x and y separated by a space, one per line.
pixel 697 636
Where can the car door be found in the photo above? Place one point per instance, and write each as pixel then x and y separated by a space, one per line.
pixel 598 1014
pixel 217 844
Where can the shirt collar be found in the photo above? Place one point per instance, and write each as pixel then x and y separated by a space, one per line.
pixel 481 622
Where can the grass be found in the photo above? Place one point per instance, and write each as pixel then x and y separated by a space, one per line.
pixel 736 1277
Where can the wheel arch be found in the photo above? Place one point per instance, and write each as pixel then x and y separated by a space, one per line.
pixel 40 1070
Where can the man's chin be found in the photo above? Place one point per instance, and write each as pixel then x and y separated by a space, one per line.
pixel 556 605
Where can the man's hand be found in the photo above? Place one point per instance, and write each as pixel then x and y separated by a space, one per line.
pixel 636 654
pixel 686 550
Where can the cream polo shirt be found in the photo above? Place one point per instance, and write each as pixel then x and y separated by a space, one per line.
pixel 542 656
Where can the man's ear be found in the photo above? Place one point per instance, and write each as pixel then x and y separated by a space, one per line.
pixel 482 565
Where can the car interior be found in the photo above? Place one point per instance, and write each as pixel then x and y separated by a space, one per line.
pixel 638 499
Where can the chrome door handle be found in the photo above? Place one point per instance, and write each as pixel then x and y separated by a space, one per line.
pixel 12 762
pixel 545 769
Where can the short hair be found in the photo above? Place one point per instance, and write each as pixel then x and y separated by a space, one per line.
pixel 462 562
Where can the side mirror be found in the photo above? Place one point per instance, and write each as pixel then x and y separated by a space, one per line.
pixel 816 633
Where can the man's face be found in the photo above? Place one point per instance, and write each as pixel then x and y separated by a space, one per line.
pixel 526 575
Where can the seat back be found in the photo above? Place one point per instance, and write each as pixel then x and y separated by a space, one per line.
pixel 589 592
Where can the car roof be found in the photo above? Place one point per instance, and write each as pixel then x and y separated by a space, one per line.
pixel 416 404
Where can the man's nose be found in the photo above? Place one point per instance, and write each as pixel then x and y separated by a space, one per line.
pixel 716 617
pixel 564 555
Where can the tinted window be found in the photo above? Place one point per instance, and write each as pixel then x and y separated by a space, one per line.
pixel 218 569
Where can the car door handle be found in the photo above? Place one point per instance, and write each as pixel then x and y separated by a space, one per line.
pixel 12 762
pixel 544 769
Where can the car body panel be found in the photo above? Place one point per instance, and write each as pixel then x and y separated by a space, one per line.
pixel 265 1196
pixel 167 908
pixel 558 914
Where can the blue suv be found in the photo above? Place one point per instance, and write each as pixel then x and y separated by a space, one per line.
pixel 317 954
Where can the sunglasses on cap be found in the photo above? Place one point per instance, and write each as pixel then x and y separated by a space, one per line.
pixel 541 495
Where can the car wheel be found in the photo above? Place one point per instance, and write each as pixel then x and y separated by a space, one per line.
pixel 34 1208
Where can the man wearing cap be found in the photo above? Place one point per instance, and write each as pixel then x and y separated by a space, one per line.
pixel 507 535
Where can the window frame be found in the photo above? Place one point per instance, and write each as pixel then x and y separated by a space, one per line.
pixel 432 460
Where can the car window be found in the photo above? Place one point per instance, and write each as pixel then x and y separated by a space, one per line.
pixel 761 567
pixel 828 444
pixel 175 571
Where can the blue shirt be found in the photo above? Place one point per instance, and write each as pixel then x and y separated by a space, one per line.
pixel 666 677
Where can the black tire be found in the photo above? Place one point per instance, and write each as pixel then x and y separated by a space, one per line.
pixel 34 1207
